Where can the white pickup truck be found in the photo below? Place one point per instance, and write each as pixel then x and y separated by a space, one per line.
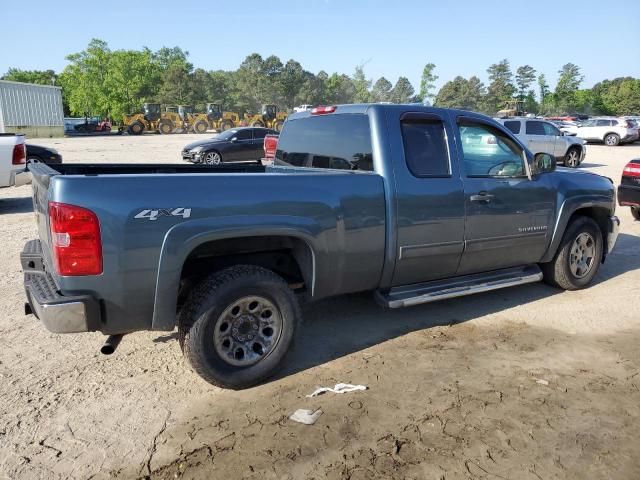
pixel 13 160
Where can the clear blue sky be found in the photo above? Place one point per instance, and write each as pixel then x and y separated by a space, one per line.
pixel 391 38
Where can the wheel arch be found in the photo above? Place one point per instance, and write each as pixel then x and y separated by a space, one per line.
pixel 187 254
pixel 597 209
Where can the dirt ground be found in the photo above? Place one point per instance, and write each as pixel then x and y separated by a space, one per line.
pixel 522 383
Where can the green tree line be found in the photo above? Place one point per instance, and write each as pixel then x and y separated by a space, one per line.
pixel 110 83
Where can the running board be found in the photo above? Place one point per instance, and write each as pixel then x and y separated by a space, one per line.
pixel 457 287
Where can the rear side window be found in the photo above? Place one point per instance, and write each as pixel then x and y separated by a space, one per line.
pixel 337 141
pixel 425 148
pixel 535 128
pixel 603 123
pixel 514 126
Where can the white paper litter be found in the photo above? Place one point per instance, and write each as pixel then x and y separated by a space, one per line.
pixel 542 381
pixel 339 388
pixel 308 417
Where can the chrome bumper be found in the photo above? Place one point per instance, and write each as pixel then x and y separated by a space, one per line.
pixel 59 313
pixel 612 235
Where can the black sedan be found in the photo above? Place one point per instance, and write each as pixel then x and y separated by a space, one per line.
pixel 231 146
pixel 36 153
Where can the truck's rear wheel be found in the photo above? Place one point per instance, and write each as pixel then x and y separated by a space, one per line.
pixel 237 326
pixel 578 257
pixel 635 212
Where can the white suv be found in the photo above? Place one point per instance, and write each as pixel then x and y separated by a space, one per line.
pixel 541 136
pixel 610 130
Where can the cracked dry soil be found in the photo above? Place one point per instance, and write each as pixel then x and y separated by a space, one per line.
pixel 453 387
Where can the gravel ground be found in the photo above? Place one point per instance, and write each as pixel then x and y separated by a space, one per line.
pixel 523 383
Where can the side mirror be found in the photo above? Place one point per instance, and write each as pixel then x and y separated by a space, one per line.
pixel 543 163
pixel 234 139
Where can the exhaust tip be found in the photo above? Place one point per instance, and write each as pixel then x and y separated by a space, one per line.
pixel 107 350
pixel 110 344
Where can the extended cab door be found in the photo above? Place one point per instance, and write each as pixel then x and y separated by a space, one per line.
pixel 508 216
pixel 429 198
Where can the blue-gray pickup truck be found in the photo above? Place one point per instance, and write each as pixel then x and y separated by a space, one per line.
pixel 413 203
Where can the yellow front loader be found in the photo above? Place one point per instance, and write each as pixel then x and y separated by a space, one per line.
pixel 269 118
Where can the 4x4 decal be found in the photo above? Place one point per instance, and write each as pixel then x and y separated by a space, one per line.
pixel 154 214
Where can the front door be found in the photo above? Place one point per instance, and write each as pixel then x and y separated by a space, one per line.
pixel 429 198
pixel 241 149
pixel 508 216
pixel 538 141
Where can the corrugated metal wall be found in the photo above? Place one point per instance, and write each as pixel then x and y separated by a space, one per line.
pixel 25 104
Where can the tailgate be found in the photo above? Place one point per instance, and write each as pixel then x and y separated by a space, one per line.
pixel 41 175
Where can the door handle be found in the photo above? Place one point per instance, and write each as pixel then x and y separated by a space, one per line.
pixel 481 197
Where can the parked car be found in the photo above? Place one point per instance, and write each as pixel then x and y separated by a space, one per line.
pixel 385 198
pixel 543 136
pixel 13 159
pixel 36 153
pixel 93 125
pixel 612 131
pixel 302 108
pixel 231 146
pixel 629 188
pixel 564 126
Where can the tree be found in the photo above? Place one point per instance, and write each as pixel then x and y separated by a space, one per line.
pixel 545 99
pixel 525 76
pixel 40 77
pixel 130 80
pixel 381 91
pixel 361 85
pixel 83 80
pixel 340 89
pixel 501 88
pixel 427 83
pixel 291 80
pixel 175 87
pixel 462 93
pixel 568 84
pixel 402 91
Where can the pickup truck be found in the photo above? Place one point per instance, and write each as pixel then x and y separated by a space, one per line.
pixel 406 201
pixel 13 159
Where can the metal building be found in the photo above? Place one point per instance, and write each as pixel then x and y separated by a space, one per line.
pixel 35 110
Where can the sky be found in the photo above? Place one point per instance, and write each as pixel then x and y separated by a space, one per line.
pixel 390 38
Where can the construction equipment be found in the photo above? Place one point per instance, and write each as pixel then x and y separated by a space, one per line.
pixel 152 119
pixel 512 108
pixel 269 118
pixel 213 119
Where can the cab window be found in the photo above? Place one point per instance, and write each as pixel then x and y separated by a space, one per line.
pixel 425 148
pixel 488 151
pixel 550 129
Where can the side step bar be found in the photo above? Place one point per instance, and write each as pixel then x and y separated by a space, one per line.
pixel 457 287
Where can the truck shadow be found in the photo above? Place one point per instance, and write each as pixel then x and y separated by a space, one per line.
pixel 16 205
pixel 337 327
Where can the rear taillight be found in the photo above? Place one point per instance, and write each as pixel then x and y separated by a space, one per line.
pixel 323 110
pixel 75 238
pixel 19 154
pixel 270 146
pixel 631 169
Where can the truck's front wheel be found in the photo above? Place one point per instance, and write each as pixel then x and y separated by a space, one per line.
pixel 578 257
pixel 237 326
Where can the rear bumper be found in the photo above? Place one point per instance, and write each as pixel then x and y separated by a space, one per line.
pixel 628 195
pixel 22 178
pixel 612 235
pixel 59 313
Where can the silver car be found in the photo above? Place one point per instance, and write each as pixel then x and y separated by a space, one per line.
pixel 541 136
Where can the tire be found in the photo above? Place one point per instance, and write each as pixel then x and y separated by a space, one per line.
pixel 136 128
pixel 278 126
pixel 212 158
pixel 566 270
pixel 226 126
pixel 257 124
pixel 165 128
pixel 200 127
pixel 216 323
pixel 572 158
pixel 612 140
pixel 635 212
